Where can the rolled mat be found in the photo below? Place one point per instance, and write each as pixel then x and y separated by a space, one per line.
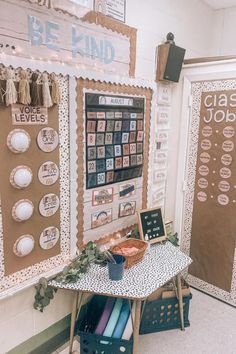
pixel 128 331
pixel 113 318
pixel 123 318
pixel 105 316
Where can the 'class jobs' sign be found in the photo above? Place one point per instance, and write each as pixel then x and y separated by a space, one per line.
pixel 213 220
pixel 48 35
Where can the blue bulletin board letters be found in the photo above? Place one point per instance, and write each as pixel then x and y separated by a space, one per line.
pixel 48 33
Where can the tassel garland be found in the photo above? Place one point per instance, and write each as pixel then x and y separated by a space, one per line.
pixel 47 101
pixel 10 93
pixel 34 90
pixel 24 88
pixel 56 96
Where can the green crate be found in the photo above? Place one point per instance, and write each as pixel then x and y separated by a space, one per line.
pixel 163 314
pixel 91 343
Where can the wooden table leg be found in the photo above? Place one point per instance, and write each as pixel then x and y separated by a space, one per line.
pixel 73 319
pixel 180 297
pixel 137 304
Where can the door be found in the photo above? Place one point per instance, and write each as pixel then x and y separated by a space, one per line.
pixel 208 220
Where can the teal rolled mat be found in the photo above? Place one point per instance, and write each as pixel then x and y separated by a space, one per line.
pixel 111 324
pixel 122 320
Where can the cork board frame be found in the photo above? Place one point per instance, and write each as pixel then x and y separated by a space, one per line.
pixel 10 284
pixel 112 88
pixel 107 22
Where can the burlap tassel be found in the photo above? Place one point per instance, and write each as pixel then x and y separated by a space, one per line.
pixel 34 90
pixel 10 93
pixel 1 93
pixel 56 95
pixel 47 101
pixel 24 88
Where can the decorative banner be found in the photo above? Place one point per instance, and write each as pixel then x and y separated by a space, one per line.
pixel 111 8
pixel 103 196
pixel 49 237
pixel 126 209
pixel 101 218
pixel 34 34
pixel 213 216
pixel 28 115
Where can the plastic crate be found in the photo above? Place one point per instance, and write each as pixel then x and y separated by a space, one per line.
pixel 163 314
pixel 91 343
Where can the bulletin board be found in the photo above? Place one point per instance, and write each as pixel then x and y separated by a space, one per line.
pixel 113 127
pixel 209 216
pixel 49 228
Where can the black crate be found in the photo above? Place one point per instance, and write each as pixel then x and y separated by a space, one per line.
pixel 163 314
pixel 91 343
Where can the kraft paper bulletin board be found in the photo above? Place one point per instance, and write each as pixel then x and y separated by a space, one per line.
pixel 209 218
pixel 15 270
pixel 116 202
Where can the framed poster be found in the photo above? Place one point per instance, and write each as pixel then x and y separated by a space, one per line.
pixel 151 225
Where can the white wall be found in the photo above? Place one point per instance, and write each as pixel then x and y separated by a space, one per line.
pixel 192 23
pixel 224 33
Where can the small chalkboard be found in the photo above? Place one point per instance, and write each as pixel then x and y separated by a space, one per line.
pixel 151 225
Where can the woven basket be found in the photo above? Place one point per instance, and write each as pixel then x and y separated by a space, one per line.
pixel 134 258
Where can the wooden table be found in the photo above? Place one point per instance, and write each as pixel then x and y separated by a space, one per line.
pixel 161 263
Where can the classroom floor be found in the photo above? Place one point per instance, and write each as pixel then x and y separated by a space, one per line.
pixel 212 331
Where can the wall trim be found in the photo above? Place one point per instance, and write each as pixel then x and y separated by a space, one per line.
pixel 46 341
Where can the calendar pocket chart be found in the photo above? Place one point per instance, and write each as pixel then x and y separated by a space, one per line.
pixel 114 138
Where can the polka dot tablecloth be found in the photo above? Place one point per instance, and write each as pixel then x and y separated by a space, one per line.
pixel 160 264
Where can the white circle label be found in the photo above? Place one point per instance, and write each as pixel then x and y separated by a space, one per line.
pixel 225 172
pixel 206 144
pixel 49 204
pixel 228 145
pixel 48 173
pixel 207 131
pixel 49 237
pixel 228 132
pixel 226 159
pixel 47 139
pixel 205 157
pixel 223 199
pixel 224 186
pixel 203 170
pixel 202 183
pixel 202 196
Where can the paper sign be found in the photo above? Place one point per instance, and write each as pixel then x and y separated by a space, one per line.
pixel 103 196
pixel 111 8
pixel 28 115
pixel 101 218
pixel 126 209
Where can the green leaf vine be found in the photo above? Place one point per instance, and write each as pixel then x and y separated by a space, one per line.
pixel 70 274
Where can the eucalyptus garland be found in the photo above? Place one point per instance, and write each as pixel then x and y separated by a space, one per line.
pixel 70 274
